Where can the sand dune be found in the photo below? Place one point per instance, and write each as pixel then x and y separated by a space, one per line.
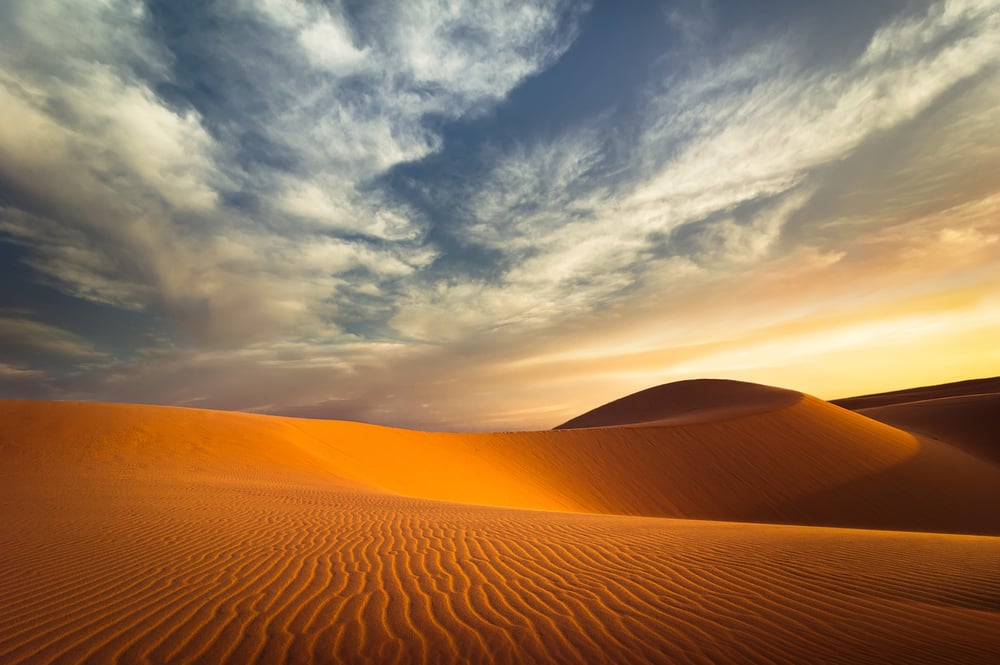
pixel 153 534
pixel 804 463
pixel 686 402
pixel 970 422
pixel 956 389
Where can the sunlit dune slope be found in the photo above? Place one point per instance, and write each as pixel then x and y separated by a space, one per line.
pixel 128 441
pixel 738 468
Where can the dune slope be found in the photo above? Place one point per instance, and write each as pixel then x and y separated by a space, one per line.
pixel 804 461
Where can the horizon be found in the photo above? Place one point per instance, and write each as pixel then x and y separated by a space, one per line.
pixel 481 217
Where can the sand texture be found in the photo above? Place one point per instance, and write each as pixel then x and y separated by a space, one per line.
pixel 136 534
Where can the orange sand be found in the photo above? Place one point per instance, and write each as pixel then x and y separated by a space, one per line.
pixel 154 534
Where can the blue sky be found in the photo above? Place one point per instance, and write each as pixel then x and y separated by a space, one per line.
pixel 486 215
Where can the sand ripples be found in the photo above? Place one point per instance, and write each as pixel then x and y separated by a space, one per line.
pixel 296 574
pixel 162 536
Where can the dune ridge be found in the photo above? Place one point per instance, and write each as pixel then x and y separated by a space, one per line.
pixel 804 461
pixel 955 389
pixel 686 402
pixel 158 535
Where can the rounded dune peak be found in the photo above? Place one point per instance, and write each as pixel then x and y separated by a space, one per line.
pixel 687 402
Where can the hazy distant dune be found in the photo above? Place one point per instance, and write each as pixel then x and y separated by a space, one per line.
pixel 956 389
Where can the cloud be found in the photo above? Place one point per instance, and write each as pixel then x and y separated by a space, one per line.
pixel 8 371
pixel 22 337
pixel 339 208
pixel 122 190
pixel 756 124
pixel 369 83
pixel 728 152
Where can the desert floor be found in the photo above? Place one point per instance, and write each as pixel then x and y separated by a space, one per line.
pixel 704 521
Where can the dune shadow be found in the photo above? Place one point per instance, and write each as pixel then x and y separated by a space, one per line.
pixel 941 489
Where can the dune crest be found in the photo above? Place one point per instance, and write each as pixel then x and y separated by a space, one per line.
pixel 967 388
pixel 686 402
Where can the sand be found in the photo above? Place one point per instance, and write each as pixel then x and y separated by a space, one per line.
pixel 164 535
pixel 969 422
pixel 957 389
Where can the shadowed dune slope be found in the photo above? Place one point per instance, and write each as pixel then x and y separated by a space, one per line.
pixel 736 468
pixel 970 422
pixel 747 434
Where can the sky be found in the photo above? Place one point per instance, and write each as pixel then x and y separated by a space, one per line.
pixel 459 215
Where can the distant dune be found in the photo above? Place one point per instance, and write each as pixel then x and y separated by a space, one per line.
pixel 957 389
pixel 685 402
pixel 965 414
pixel 156 534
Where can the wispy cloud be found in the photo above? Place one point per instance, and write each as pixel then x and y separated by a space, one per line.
pixel 22 338
pixel 725 156
pixel 139 219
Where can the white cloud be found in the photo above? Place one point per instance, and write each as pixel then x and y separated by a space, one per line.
pixel 750 129
pixel 362 109
pixel 330 45
pixel 475 50
pixel 129 211
pixel 759 124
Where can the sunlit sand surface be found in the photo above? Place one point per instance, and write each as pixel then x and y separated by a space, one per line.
pixel 162 535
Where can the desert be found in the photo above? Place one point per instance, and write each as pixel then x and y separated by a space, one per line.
pixel 707 521
pixel 461 332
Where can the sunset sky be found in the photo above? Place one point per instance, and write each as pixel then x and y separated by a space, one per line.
pixel 487 215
